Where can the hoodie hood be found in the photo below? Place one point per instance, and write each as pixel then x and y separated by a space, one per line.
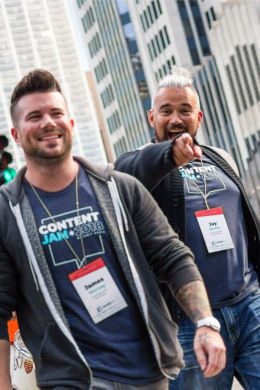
pixel 100 171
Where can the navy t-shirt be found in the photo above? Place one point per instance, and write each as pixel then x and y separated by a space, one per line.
pixel 117 348
pixel 228 274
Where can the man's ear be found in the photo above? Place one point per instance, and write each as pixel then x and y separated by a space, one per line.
pixel 16 135
pixel 72 122
pixel 200 117
pixel 151 117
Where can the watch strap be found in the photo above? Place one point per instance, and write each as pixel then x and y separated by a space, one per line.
pixel 211 322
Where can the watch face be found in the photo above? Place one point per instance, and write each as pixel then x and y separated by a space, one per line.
pixel 211 322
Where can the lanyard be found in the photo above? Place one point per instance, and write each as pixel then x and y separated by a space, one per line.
pixel 80 262
pixel 203 194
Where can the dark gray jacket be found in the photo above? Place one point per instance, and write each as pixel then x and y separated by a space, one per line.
pixel 154 166
pixel 146 247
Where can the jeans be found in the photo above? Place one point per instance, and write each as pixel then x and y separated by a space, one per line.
pixel 240 329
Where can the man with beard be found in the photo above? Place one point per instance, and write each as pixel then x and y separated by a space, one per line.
pixel 81 250
pixel 199 190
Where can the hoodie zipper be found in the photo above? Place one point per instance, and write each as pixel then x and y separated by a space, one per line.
pixel 40 284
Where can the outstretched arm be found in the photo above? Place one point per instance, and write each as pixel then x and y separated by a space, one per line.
pixel 208 344
pixel 5 379
pixel 148 164
pixel 151 163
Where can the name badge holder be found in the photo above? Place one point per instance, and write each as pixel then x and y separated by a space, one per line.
pixel 213 224
pixel 98 290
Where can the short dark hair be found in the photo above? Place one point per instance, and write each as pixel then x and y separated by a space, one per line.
pixel 38 80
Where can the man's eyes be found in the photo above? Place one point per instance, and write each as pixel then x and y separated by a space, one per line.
pixel 184 111
pixel 57 113
pixel 33 117
pixel 165 112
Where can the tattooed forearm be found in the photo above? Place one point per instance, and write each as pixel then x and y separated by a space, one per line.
pixel 192 297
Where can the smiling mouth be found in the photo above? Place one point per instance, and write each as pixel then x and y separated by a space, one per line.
pixel 175 134
pixel 50 137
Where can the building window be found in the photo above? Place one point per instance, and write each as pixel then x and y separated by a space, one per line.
pixel 120 147
pixel 164 69
pixel 166 35
pixel 107 96
pixel 251 72
pixel 154 48
pixel 114 122
pixel 242 67
pixel 231 82
pixel 255 58
pixel 157 44
pixel 150 15
pixel 188 32
pixel 150 51
pixel 143 22
pixel 154 9
pixel 241 92
pixel 159 6
pixel 80 3
pixel 208 19
pixel 200 27
pixel 213 14
pixel 94 45
pixel 88 20
pixel 146 19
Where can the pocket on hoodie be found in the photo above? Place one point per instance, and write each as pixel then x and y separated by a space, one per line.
pixel 59 362
pixel 165 331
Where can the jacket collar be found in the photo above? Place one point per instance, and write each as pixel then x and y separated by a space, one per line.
pixel 14 189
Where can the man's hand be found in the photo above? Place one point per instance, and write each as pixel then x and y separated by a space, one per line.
pixel 184 150
pixel 208 345
pixel 210 351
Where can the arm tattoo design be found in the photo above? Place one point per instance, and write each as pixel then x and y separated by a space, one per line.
pixel 192 297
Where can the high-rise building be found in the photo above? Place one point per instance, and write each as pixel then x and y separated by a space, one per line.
pixel 236 50
pixel 209 37
pixel 213 40
pixel 39 34
pixel 115 59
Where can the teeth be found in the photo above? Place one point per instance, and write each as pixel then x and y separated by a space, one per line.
pixel 50 137
pixel 174 134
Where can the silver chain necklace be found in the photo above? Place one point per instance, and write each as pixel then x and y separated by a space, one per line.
pixel 53 219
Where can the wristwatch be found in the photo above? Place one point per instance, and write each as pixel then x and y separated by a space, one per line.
pixel 211 322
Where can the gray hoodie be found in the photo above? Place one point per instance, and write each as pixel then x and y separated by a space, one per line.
pixel 146 247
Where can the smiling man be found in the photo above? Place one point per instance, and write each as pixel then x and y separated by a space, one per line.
pixel 47 131
pixel 199 190
pixel 82 248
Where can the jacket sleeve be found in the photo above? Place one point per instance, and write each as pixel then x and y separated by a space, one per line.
pixel 8 291
pixel 149 164
pixel 168 257
pixel 7 305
